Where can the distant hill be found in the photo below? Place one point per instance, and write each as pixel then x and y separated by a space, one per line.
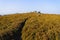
pixel 30 26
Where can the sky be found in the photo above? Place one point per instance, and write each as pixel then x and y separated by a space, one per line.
pixel 18 6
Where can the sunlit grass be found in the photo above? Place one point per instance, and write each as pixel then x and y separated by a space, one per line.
pixel 37 26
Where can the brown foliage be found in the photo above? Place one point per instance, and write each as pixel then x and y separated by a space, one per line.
pixel 30 26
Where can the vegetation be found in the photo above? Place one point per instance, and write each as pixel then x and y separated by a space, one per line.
pixel 11 25
pixel 30 26
pixel 42 27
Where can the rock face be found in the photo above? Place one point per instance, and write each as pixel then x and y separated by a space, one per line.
pixel 30 26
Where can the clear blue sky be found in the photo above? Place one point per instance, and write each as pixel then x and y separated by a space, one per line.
pixel 14 6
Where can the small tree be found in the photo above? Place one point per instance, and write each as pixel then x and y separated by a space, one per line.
pixel 35 11
pixel 39 12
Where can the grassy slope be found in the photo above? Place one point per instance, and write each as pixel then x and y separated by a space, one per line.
pixel 37 27
pixel 8 23
pixel 42 27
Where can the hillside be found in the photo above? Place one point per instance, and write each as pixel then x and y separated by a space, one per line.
pixel 30 26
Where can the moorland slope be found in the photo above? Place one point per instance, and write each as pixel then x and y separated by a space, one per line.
pixel 30 26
